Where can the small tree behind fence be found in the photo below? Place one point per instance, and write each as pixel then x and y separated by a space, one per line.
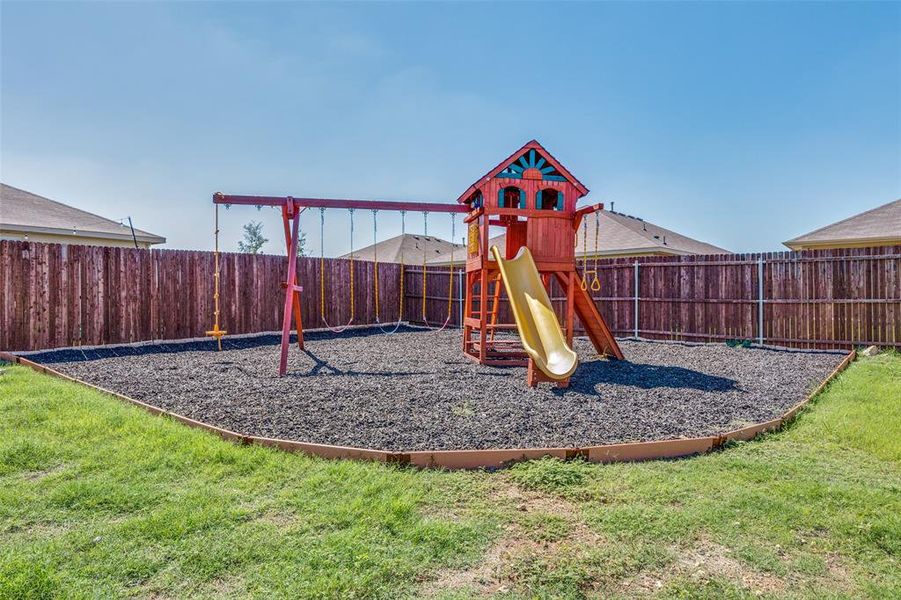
pixel 55 295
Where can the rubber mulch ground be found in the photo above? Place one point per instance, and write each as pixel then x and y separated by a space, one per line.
pixel 416 391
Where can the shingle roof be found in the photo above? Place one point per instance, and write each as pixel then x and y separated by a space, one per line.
pixel 410 246
pixel 24 211
pixel 880 225
pixel 620 234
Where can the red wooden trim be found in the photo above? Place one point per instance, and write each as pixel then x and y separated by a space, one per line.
pixel 582 212
pixel 473 215
pixel 531 213
pixel 477 459
pixel 650 450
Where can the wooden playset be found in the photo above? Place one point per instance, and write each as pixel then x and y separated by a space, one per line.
pixel 533 198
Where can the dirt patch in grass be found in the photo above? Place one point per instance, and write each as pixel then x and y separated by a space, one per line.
pixel 226 587
pixel 482 579
pixel 277 518
pixel 34 476
pixel 39 529
pixel 542 527
pixel 707 561
pixel 711 559
pixel 547 535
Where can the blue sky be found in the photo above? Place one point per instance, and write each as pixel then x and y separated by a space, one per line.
pixel 741 124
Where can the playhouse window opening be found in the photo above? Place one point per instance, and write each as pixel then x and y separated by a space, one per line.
pixel 549 199
pixel 511 197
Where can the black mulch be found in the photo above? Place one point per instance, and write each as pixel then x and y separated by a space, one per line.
pixel 416 391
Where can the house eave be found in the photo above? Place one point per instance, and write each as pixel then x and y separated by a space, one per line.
pixel 798 245
pixel 103 235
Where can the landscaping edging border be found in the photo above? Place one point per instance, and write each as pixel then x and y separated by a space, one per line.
pixel 472 459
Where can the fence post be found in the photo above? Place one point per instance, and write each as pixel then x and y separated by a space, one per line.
pixel 636 298
pixel 760 300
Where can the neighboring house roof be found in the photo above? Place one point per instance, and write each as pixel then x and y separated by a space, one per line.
pixel 410 247
pixel 876 227
pixel 27 212
pixel 621 235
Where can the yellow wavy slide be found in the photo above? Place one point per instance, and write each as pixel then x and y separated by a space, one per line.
pixel 540 332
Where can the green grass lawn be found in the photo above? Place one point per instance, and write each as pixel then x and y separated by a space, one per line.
pixel 99 499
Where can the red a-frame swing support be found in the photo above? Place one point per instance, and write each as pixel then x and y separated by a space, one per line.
pixel 291 209
pixel 291 218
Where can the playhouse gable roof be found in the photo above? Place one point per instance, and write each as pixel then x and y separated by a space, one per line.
pixel 512 162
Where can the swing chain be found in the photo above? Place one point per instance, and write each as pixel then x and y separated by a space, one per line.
pixel 322 263
pixel 216 332
pixel 375 260
pixel 596 284
pixel 425 242
pixel 352 307
pixel 403 233
pixel 584 283
pixel 450 281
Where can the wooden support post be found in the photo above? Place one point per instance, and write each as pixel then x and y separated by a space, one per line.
pixel 498 284
pixel 291 288
pixel 534 376
pixel 483 289
pixel 483 314
pixel 297 315
pixel 467 311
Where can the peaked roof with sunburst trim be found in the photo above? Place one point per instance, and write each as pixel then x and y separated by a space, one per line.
pixel 532 161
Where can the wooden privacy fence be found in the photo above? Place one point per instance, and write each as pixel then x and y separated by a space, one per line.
pixel 55 295
pixel 813 299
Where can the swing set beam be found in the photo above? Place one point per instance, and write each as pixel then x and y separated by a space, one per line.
pixel 220 198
